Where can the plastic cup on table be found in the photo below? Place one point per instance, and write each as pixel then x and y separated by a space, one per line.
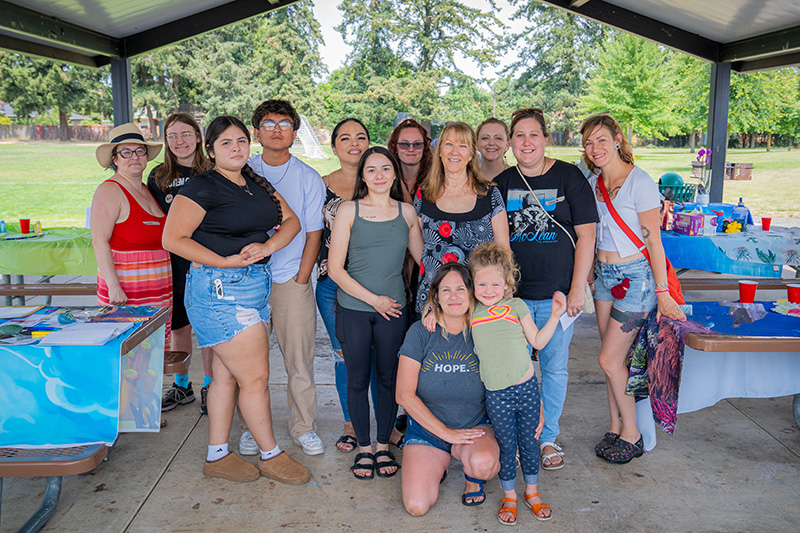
pixel 766 222
pixel 794 292
pixel 24 225
pixel 747 291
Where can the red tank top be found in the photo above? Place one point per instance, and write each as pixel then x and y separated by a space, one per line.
pixel 140 231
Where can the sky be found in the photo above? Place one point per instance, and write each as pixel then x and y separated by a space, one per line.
pixel 335 51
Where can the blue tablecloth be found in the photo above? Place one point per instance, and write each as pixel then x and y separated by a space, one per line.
pixel 715 316
pixel 710 208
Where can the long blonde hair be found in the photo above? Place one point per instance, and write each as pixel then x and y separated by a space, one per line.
pixel 459 132
pixel 608 122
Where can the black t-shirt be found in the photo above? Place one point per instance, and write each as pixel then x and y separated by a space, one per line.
pixel 234 218
pixel 164 199
pixel 543 251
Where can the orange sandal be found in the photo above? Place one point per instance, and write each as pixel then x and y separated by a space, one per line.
pixel 537 507
pixel 512 510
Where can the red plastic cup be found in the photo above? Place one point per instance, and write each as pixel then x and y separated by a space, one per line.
pixel 766 222
pixel 794 292
pixel 24 225
pixel 747 291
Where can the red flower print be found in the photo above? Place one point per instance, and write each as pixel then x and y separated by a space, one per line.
pixel 445 229
pixel 419 193
pixel 421 268
pixel 449 258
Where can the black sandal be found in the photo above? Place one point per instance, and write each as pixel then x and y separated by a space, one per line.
pixel 385 464
pixel 399 443
pixel 346 439
pixel 364 466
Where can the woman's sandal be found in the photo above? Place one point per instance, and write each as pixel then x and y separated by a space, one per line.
pixel 537 507
pixel 480 493
pixel 348 440
pixel 549 456
pixel 364 466
pixel 399 443
pixel 385 464
pixel 504 509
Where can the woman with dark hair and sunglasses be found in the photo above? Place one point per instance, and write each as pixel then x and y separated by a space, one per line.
pixel 551 219
pixel 411 145
pixel 223 221
pixel 372 232
pixel 183 158
pixel 439 386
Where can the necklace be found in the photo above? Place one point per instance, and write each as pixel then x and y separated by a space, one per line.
pixel 245 188
pixel 544 164
pixel 286 170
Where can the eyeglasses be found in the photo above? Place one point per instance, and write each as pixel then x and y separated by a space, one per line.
pixel 186 135
pixel 127 153
pixel 408 146
pixel 284 125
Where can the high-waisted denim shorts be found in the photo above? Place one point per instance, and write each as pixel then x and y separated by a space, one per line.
pixel 641 295
pixel 222 302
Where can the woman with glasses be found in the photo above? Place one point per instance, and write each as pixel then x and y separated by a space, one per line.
pixel 411 146
pixel 457 207
pixel 127 223
pixel 183 158
pixel 551 220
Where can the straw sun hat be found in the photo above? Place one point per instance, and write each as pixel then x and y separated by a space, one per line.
pixel 127 133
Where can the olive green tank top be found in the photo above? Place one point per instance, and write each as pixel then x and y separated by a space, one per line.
pixel 375 259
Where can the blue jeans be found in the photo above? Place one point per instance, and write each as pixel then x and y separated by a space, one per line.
pixel 325 294
pixel 553 359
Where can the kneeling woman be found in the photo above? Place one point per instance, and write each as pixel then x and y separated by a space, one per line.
pixel 220 221
pixel 373 232
pixel 439 386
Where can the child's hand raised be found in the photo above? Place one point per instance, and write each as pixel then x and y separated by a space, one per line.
pixel 559 303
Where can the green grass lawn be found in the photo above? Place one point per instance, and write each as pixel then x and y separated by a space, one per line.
pixel 54 182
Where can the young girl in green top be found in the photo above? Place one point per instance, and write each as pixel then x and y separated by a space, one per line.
pixel 502 328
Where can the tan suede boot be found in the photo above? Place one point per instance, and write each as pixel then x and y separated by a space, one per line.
pixel 231 467
pixel 284 469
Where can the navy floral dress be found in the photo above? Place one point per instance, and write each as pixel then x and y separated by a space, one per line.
pixel 452 236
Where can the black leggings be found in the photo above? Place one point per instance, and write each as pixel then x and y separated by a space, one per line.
pixel 362 333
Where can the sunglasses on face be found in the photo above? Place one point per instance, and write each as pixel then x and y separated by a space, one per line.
pixel 408 146
pixel 127 153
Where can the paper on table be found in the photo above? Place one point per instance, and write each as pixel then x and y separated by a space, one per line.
pixel 86 334
pixel 18 311
pixel 566 320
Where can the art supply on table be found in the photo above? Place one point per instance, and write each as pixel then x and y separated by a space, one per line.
pixel 18 311
pixel 747 291
pixel 793 290
pixel 86 334
pixel 25 225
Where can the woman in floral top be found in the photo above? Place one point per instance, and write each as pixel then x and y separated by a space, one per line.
pixel 458 208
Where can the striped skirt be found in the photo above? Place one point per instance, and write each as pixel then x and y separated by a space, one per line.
pixel 146 278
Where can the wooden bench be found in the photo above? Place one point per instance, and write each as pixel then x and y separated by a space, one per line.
pixel 52 463
pixel 20 291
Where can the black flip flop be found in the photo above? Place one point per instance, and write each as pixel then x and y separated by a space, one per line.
pixel 385 464
pixel 364 466
pixel 347 439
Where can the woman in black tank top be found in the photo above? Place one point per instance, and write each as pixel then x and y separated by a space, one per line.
pixel 372 231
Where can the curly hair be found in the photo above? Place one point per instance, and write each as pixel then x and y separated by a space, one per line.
pixel 461 133
pixel 214 130
pixel 607 121
pixel 427 154
pixel 167 172
pixel 496 255
pixel 276 107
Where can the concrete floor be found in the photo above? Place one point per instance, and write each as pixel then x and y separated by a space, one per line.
pixel 731 467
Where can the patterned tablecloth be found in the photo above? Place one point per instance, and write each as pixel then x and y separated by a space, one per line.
pixel 778 246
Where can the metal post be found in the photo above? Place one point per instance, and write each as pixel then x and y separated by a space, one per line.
pixel 718 103
pixel 121 90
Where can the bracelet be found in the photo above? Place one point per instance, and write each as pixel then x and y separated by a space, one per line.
pixel 590 281
pixel 665 284
pixel 661 290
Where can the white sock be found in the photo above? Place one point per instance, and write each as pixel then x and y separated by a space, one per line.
pixel 217 451
pixel 270 454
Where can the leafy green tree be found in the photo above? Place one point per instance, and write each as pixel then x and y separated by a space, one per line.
pixel 466 101
pixel 631 81
pixel 555 52
pixel 155 78
pixel 368 28
pixel 760 100
pixel 39 85
pixel 691 83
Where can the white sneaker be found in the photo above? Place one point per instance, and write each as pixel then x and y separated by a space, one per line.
pixel 311 443
pixel 248 445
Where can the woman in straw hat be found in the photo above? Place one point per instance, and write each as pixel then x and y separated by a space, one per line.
pixel 127 223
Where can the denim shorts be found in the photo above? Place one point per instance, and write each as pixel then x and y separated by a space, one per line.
pixel 641 295
pixel 222 302
pixel 416 434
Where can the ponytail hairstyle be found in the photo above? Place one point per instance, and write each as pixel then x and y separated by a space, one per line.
pixel 361 190
pixel 607 121
pixel 167 172
pixel 214 130
pixel 496 255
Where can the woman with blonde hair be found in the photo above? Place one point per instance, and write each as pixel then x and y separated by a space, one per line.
pixel 631 274
pixel 458 208
pixel 494 139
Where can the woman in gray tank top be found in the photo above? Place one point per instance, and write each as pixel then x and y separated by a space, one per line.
pixel 373 232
